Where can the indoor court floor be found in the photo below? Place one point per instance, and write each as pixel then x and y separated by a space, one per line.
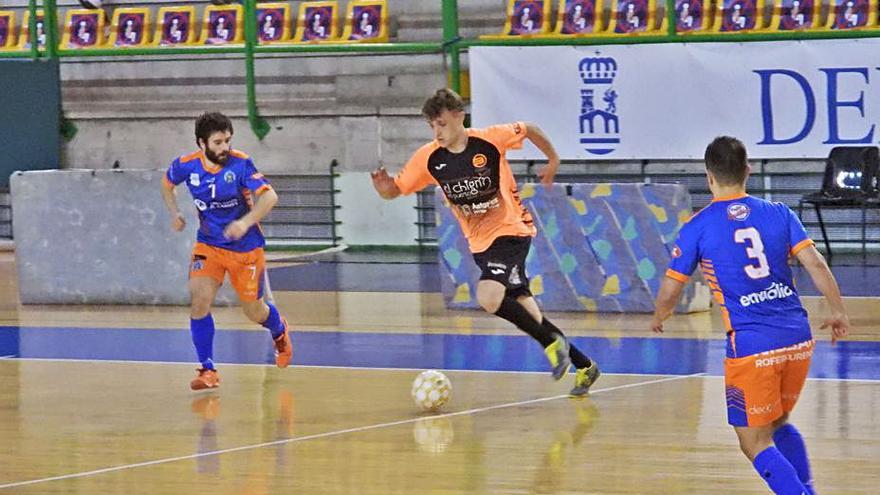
pixel 95 399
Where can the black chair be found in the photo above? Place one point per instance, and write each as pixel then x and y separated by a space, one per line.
pixel 850 181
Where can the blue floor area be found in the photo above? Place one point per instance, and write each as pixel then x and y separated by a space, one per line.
pixel 853 360
pixel 854 280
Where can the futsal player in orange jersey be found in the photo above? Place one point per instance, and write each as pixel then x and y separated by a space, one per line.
pixel 743 245
pixel 471 168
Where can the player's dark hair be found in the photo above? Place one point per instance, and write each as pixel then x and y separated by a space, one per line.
pixel 210 122
pixel 443 99
pixel 726 159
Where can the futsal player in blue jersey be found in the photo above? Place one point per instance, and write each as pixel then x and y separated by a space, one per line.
pixel 742 245
pixel 223 183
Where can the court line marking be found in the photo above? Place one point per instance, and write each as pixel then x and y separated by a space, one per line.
pixel 705 374
pixel 335 433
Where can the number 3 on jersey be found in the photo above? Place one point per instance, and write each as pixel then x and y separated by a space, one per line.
pixel 756 251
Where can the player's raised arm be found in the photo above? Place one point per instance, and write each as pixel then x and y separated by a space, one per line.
pixel 542 142
pixel 823 279
pixel 412 177
pixel 384 184
pixel 265 202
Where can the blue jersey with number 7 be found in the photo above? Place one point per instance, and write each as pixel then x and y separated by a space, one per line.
pixel 221 195
pixel 742 245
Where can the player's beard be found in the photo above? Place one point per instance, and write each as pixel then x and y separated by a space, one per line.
pixel 215 158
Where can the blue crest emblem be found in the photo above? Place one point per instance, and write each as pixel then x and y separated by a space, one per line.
pixel 229 176
pixel 599 124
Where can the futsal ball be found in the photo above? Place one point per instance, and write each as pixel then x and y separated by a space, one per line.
pixel 431 389
pixel 91 4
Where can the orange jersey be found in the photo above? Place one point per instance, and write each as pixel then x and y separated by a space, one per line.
pixel 478 183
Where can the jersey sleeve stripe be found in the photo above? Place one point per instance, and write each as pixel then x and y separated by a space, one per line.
pixel 677 276
pixel 262 189
pixel 801 245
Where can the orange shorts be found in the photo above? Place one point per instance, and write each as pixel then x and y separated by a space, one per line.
pixel 245 269
pixel 762 387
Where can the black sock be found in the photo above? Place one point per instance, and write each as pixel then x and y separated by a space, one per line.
pixel 578 358
pixel 514 312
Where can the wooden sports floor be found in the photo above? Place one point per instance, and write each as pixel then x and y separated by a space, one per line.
pixel 95 400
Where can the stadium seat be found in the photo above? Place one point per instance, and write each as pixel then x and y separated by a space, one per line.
pixel 851 14
pixel 795 15
pixel 366 22
pixel 525 18
pixel 130 27
pixel 635 17
pixel 692 16
pixel 83 28
pixel 851 178
pixel 7 31
pixel 578 18
pixel 24 37
pixel 222 24
pixel 273 23
pixel 175 26
pixel 733 16
pixel 317 22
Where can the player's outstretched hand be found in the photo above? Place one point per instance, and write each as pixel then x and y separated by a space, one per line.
pixel 383 183
pixel 235 230
pixel 656 325
pixel 178 222
pixel 839 324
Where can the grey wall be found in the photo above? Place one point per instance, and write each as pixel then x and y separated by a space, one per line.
pixel 100 237
pixel 356 109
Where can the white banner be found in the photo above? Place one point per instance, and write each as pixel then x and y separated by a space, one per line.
pixel 782 99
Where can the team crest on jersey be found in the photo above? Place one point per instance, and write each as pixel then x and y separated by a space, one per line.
pixel 514 276
pixel 480 160
pixel 194 179
pixel 229 176
pixel 676 252
pixel 198 262
pixel 737 211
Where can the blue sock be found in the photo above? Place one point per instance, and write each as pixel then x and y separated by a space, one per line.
pixel 778 473
pixel 790 442
pixel 273 322
pixel 202 331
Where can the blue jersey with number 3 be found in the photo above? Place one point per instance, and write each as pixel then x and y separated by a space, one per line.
pixel 221 195
pixel 742 245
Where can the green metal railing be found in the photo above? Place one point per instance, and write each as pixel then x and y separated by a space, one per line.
pixel 451 46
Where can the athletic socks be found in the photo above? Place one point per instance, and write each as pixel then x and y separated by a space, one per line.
pixel 544 332
pixel 273 322
pixel 202 331
pixel 791 444
pixel 514 312
pixel 778 473
pixel 578 358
